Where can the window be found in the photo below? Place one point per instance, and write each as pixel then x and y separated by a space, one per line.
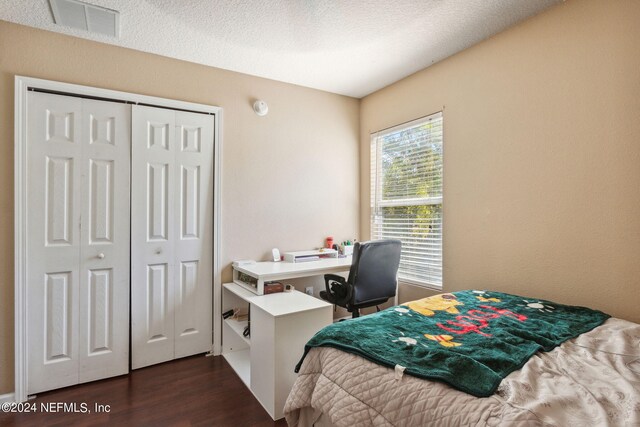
pixel 406 196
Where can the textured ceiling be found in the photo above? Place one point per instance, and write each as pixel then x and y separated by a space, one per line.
pixel 350 47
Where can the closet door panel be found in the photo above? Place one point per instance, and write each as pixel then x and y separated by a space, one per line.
pixel 194 256
pixel 53 239
pixel 152 235
pixel 104 267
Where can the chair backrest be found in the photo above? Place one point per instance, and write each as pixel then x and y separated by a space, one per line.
pixel 374 270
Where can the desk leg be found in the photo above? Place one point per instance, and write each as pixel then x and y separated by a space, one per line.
pixel 277 344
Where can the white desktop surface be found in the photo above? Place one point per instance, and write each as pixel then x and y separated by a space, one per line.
pixel 271 270
pixel 279 303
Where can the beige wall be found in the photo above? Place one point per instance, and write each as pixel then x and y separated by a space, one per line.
pixel 289 179
pixel 542 156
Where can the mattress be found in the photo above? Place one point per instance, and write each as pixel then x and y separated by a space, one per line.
pixel 592 380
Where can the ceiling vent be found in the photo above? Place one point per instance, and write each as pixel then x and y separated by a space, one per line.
pixel 84 16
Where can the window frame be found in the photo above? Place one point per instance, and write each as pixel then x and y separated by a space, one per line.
pixel 377 182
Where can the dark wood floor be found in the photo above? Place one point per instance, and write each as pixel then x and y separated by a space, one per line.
pixel 196 391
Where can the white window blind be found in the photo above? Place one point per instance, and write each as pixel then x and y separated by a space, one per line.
pixel 406 196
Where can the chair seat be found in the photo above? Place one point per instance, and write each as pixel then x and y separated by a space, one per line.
pixel 330 298
pixel 371 303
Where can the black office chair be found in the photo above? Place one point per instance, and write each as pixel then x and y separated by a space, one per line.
pixel 372 277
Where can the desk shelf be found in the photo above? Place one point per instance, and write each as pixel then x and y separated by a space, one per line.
pixel 240 362
pixel 238 326
pixel 281 324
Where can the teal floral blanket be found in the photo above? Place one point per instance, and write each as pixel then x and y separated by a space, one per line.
pixel 469 339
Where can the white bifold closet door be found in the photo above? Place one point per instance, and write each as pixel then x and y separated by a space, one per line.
pixel 78 240
pixel 172 234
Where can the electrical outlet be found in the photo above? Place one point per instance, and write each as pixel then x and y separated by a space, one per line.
pixel 308 290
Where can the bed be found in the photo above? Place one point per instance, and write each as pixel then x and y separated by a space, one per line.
pixel 590 379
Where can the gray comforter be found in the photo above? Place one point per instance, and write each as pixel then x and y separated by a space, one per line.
pixel 592 380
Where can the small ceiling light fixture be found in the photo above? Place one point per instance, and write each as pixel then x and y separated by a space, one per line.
pixel 260 107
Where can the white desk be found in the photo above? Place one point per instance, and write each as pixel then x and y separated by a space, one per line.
pixel 274 271
pixel 281 324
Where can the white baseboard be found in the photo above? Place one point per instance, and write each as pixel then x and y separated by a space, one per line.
pixel 9 397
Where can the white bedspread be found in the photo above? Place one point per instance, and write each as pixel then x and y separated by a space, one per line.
pixel 592 380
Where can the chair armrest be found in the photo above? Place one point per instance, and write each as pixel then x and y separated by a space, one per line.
pixel 334 277
pixel 339 289
pixel 328 278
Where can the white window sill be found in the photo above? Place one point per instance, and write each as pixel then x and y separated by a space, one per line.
pixel 425 285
